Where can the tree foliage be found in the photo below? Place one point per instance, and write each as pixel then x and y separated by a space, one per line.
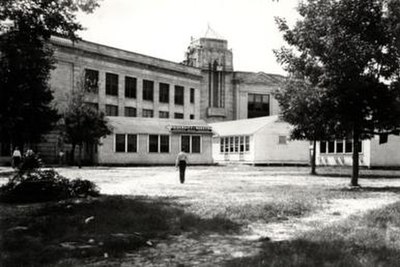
pixel 83 123
pixel 26 60
pixel 352 49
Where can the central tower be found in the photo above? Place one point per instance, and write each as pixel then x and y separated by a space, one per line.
pixel 212 56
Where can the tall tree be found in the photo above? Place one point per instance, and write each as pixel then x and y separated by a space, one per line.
pixel 83 123
pixel 26 59
pixel 307 109
pixel 356 45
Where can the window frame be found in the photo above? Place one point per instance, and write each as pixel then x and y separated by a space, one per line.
pixel 112 106
pixel 179 99
pixel 192 95
pixel 163 93
pixel 148 90
pixel 130 109
pixel 145 110
pixel 91 88
pixel 130 91
pixel 111 84
pixel 159 146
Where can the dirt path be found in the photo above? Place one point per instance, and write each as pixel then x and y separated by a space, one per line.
pixel 214 250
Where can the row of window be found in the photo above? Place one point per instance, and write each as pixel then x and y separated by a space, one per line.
pixel 112 110
pixel 235 144
pixel 338 146
pixel 92 85
pixel 128 143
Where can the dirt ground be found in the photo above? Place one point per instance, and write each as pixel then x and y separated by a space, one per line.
pixel 209 190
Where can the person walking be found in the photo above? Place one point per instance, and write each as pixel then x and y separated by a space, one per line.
pixel 181 162
pixel 16 157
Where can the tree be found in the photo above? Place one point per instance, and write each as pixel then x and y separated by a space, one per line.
pixel 351 48
pixel 306 108
pixel 83 123
pixel 26 59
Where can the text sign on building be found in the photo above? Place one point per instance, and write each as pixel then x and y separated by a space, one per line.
pixel 189 129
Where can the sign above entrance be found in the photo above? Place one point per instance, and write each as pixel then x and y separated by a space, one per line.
pixel 190 129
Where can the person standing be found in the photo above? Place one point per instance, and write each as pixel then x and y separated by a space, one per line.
pixel 16 157
pixel 181 162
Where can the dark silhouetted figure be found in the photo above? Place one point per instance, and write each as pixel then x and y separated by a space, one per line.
pixel 181 162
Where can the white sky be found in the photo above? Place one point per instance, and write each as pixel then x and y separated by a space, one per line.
pixel 163 28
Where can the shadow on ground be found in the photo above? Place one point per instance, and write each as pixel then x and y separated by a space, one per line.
pixel 44 234
pixel 369 189
pixel 302 252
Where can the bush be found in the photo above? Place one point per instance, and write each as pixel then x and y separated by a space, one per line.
pixel 44 185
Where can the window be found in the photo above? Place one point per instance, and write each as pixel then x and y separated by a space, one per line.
pixel 159 143
pixel 111 110
pixel 192 92
pixel 179 95
pixel 331 147
pixel 322 148
pixel 130 87
pixel 231 144
pixel 226 144
pixel 163 114
pixel 191 143
pixel 147 113
pixel 93 106
pixel 247 144
pixel 120 143
pixel 91 81
pixel 130 112
pixel 132 143
pixel 282 140
pixel 148 90
pixel 241 144
pixel 221 144
pixel 192 116
pixel 339 146
pixel 164 93
pixel 164 143
pixel 258 105
pixel 349 146
pixel 111 84
pixel 185 143
pixel 178 115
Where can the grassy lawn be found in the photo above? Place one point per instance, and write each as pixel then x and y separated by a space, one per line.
pixel 145 207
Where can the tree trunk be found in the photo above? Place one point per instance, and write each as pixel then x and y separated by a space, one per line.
pixel 80 157
pixel 73 154
pixel 313 158
pixel 355 174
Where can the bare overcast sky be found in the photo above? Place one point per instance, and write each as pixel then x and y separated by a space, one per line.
pixel 163 28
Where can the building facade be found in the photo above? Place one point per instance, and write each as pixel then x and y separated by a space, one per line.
pixel 137 88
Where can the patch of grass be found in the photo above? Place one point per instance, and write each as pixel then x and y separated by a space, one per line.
pixel 43 234
pixel 369 240
pixel 272 211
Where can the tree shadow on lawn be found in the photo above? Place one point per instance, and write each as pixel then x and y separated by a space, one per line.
pixel 362 176
pixel 369 189
pixel 301 252
pixel 43 234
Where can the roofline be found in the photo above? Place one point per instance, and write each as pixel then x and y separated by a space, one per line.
pixel 177 67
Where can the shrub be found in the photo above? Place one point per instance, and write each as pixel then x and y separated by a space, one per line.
pixel 44 185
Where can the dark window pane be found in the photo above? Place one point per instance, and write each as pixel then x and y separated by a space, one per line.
pixel 192 95
pixel 111 110
pixel 247 143
pixel 147 113
pixel 258 105
pixel 130 87
pixel 119 143
pixel 349 146
pixel 179 95
pixel 91 81
pixel 185 145
pixel 132 143
pixel 339 146
pixel 322 147
pixel 111 84
pixel 192 116
pixel 148 90
pixel 153 143
pixel 163 114
pixel 164 93
pixel 130 112
pixel 331 147
pixel 164 143
pixel 359 147
pixel 221 144
pixel 195 144
pixel 178 115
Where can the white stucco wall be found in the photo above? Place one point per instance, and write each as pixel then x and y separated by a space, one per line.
pixel 385 155
pixel 107 154
pixel 268 149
